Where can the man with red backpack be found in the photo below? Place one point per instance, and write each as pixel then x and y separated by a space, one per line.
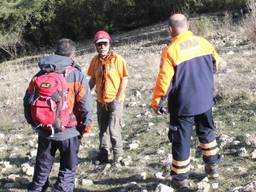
pixel 58 104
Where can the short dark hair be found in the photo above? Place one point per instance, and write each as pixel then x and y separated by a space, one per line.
pixel 65 47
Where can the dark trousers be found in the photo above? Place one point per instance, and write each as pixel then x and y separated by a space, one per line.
pixel 180 133
pixel 45 159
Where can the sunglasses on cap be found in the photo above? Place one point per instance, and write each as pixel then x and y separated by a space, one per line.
pixel 101 43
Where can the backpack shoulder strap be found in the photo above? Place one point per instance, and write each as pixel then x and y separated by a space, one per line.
pixel 68 70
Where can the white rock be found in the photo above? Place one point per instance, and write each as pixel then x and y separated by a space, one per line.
pixel 215 185
pixel 150 124
pixel 138 116
pixel 142 176
pixel 237 189
pixel 251 140
pixel 160 151
pixel 253 154
pixel 30 171
pixel 33 153
pixel 205 179
pixel 3 147
pixel 31 143
pixel 203 186
pixel 131 184
pixel 6 164
pixel 236 142
pixel 27 169
pixel 159 175
pixel 2 136
pixel 230 53
pixel 250 187
pixel 243 152
pixel 13 177
pixel 87 182
pixel 133 146
pixel 137 94
pixel 163 188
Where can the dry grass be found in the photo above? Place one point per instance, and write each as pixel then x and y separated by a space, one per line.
pixel 234 113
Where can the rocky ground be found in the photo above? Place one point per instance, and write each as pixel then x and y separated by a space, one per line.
pixel 147 149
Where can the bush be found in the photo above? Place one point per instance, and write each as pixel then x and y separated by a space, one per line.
pixel 250 21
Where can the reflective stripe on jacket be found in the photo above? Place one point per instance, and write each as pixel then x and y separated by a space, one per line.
pixel 186 75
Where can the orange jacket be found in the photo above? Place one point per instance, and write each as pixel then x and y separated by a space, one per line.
pixel 186 75
pixel 107 73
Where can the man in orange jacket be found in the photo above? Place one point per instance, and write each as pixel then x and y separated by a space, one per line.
pixel 186 79
pixel 109 73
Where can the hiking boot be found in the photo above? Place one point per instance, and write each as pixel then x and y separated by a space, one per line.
pixel 180 184
pixel 212 170
pixel 102 157
pixel 118 162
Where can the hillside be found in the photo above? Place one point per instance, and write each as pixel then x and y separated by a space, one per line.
pixel 147 149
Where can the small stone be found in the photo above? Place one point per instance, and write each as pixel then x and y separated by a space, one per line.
pixel 215 185
pixel 159 175
pixel 13 177
pixel 150 124
pixel 133 146
pixel 87 182
pixel 30 171
pixel 160 151
pixel 163 188
pixel 243 152
pixel 253 154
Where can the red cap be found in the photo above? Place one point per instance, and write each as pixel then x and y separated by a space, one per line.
pixel 102 36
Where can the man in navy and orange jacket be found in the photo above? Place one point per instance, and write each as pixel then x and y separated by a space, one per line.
pixel 68 140
pixel 186 79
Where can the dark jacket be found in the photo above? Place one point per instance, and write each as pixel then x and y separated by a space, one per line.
pixel 186 76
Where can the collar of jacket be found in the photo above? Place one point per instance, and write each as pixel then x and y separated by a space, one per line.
pixel 182 35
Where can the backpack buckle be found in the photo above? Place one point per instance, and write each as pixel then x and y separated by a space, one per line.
pixel 52 129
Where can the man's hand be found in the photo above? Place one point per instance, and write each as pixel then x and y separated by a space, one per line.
pixel 161 110
pixel 87 129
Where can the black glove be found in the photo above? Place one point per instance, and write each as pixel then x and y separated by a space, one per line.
pixel 161 110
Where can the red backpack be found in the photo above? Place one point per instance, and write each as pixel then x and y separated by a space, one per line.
pixel 49 103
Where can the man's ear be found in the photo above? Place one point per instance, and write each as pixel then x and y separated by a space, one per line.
pixel 72 56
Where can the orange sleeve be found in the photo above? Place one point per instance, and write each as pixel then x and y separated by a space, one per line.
pixel 163 81
pixel 217 59
pixel 122 69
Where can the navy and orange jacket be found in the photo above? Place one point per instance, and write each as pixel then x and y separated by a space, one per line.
pixel 79 98
pixel 186 76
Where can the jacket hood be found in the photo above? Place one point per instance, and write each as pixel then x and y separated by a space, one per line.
pixel 55 63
